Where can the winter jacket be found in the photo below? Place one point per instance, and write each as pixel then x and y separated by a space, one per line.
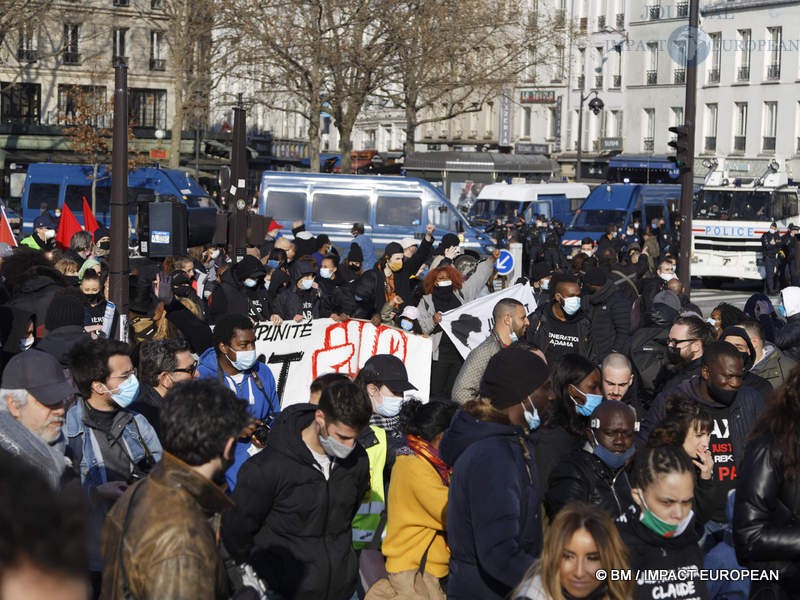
pixel 232 296
pixel 14 323
pixel 293 301
pixel 292 524
pixel 774 366
pixel 149 404
pixel 470 291
pixel 609 313
pixel 262 400
pixel 787 338
pixel 35 292
pixel 494 526
pixel 649 350
pixel 169 548
pixel 467 384
pixel 195 331
pixel 47 459
pixel 649 551
pixel 583 476
pixel 60 341
pixel 552 444
pixel 766 514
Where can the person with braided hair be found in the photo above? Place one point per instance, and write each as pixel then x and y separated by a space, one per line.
pixel 658 529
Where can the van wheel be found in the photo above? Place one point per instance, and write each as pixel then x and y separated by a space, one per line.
pixel 466 264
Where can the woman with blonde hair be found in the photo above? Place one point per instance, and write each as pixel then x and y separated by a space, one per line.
pixel 580 541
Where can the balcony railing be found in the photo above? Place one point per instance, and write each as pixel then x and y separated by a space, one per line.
pixel 743 74
pixel 560 17
pixel 156 4
pixel 598 81
pixel 652 77
pixel 122 3
pixel 739 143
pixel 710 143
pixel 616 81
pixel 620 20
pixel 580 83
pixel 27 55
pixel 158 64
pixel 583 24
pixel 768 144
pixel 654 12
pixel 648 144
pixel 679 76
pixel 713 75
pixel 601 23
pixel 774 72
pixel 682 10
pixel 71 58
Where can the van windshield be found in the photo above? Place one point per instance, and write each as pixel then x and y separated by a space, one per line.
pixel 597 219
pixel 485 211
pixel 733 205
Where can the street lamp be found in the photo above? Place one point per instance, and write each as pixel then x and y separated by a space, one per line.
pixel 595 105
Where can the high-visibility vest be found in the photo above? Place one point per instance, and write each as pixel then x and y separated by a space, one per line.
pixel 30 242
pixel 368 517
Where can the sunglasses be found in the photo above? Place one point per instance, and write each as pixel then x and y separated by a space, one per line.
pixel 187 370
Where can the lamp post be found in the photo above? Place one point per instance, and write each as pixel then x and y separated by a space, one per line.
pixel 595 105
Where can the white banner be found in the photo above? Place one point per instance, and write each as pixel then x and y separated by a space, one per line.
pixel 470 324
pixel 297 353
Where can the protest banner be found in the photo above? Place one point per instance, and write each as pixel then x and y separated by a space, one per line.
pixel 469 325
pixel 297 353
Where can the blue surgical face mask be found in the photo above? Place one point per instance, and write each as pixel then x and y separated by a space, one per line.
pixel 571 305
pixel 127 391
pixel 273 264
pixel 532 418
pixel 306 284
pixel 612 459
pixel 545 284
pixel 325 273
pixel 406 325
pixel 390 406
pixel 592 402
pixel 250 282
pixel 244 359
pixel 781 309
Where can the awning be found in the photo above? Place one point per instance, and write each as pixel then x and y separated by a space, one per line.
pixel 479 162
pixel 645 161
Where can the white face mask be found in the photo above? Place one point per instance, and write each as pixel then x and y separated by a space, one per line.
pixel 545 284
pixel 250 282
pixel 667 276
pixel 389 406
pixel 444 283
pixel 306 284
pixel 215 254
pixel 50 234
pixel 572 305
pixel 325 273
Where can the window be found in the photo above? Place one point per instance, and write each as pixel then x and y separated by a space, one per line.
pixel 716 57
pixel 552 120
pixel 652 64
pixel 679 68
pixel 744 38
pixel 74 194
pixel 599 61
pixel 784 205
pixel 648 141
pixel 677 115
pixel 616 66
pixel 70 54
pixel 20 103
pixel 340 208
pixel 71 97
pixel 773 57
pixel 559 66
pixel 442 217
pixel 770 126
pixel 120 46
pixel 712 111
pixel 526 122
pixel 157 51
pixel 43 193
pixel 148 108
pixel 27 50
pixel 581 70
pixel 398 210
pixel 740 126
pixel 286 206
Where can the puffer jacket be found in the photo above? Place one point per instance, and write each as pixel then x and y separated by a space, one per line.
pixel 169 547
pixel 765 518
pixel 609 312
pixel 787 338
pixel 583 476
pixel 774 366
pixel 292 524
pixel 494 526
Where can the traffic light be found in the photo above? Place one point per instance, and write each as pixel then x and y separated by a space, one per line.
pixel 682 158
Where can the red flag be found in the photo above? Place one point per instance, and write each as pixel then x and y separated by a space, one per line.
pixel 89 222
pixel 67 227
pixel 6 235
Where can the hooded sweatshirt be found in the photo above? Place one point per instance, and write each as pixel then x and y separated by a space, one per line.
pixel 494 524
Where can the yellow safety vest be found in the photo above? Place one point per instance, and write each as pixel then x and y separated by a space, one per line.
pixel 369 512
pixel 30 243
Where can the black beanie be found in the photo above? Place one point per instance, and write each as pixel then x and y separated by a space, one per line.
pixel 448 241
pixel 512 375
pixel 64 310
pixel 541 270
pixel 355 254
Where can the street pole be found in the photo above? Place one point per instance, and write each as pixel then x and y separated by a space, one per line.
pixel 579 153
pixel 687 175
pixel 239 202
pixel 119 269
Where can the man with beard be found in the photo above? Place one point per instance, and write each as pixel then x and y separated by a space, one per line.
pixel 562 327
pixel 687 337
pixel 34 391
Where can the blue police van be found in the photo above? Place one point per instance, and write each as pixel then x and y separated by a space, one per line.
pixel 52 185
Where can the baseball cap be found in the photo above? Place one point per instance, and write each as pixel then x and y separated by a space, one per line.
pixel 43 221
pixel 388 370
pixel 41 375
pixel 406 243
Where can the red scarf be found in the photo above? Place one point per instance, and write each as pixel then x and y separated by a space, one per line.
pixel 427 451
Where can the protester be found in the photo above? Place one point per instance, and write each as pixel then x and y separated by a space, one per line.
pixel 770 362
pixel 493 514
pixel 510 325
pixel 64 324
pixel 43 236
pixel 725 315
pixel 658 530
pixel 560 327
pixel 302 299
pixel 617 373
pixel 233 361
pixel 241 290
pixel 295 501
pixel 787 338
pixel 364 243
pixel 738 337
pixel 685 342
pixel 80 247
pixel 608 312
pixel 581 541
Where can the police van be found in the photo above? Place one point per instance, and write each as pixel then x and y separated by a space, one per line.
pixel 501 200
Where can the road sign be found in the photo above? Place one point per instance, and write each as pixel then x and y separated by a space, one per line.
pixel 504 264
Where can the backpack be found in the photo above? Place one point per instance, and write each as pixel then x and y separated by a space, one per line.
pixel 638 302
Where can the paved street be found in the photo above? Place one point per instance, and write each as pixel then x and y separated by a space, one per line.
pixel 734 293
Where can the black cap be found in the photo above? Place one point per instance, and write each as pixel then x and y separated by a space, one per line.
pixel 41 375
pixel 43 221
pixel 541 270
pixel 64 310
pixel 392 248
pixel 388 370
pixel 512 375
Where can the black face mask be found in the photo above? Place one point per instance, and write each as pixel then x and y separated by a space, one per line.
pixel 724 397
pixel 93 298
pixel 104 245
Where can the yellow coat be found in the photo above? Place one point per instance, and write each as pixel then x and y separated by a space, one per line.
pixel 417 506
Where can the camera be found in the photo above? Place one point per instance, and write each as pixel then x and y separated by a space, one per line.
pixel 262 434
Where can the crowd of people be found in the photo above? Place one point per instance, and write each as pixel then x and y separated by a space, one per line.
pixel 612 428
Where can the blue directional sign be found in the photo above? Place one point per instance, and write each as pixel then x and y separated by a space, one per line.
pixel 504 264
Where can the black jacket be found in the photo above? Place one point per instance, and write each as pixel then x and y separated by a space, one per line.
pixel 583 476
pixel 149 403
pixel 292 524
pixel 232 296
pixel 556 338
pixel 610 315
pixel 787 338
pixel 649 551
pixel 766 514
pixel 60 341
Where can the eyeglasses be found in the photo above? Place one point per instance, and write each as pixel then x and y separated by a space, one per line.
pixel 187 370
pixel 674 342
